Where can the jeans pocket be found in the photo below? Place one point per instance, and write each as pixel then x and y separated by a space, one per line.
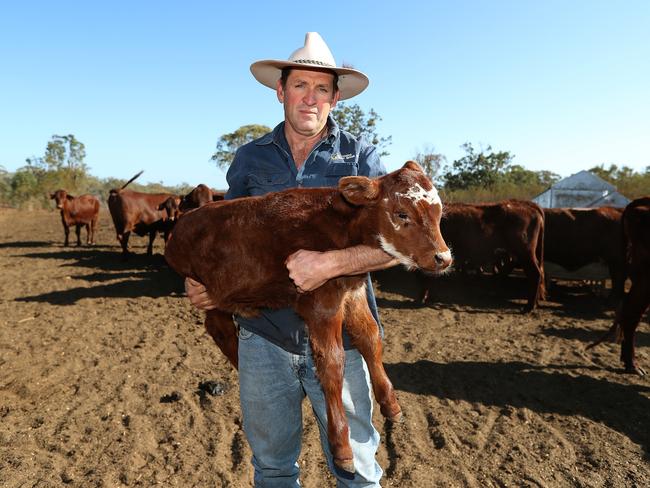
pixel 244 334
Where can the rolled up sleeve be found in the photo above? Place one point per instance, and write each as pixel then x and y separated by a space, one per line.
pixel 236 178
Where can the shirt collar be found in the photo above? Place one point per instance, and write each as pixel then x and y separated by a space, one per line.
pixel 277 134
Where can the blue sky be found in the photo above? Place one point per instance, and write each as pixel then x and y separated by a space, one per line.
pixel 146 85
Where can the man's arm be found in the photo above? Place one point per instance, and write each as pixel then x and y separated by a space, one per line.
pixel 310 269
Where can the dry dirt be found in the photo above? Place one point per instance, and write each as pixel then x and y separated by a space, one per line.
pixel 101 361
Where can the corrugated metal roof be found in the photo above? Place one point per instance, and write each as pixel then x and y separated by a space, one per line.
pixel 583 180
pixel 582 189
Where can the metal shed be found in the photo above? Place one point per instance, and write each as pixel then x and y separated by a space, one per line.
pixel 581 190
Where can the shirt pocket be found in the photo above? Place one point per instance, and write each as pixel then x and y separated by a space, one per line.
pixel 339 170
pixel 262 183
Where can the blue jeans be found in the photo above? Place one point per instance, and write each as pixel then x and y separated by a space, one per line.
pixel 272 385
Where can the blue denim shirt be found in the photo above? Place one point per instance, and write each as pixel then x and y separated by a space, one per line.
pixel 265 165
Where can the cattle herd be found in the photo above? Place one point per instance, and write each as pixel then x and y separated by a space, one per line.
pixel 493 237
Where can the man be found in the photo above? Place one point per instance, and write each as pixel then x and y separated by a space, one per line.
pixel 276 370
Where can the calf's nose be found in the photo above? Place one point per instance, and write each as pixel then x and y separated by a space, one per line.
pixel 443 259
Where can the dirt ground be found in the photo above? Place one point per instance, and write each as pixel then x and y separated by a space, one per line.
pixel 101 362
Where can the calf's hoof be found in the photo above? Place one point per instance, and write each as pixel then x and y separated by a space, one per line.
pixel 527 308
pixel 392 413
pixel 346 465
pixel 634 369
pixel 396 418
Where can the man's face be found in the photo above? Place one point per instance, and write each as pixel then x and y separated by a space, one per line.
pixel 308 98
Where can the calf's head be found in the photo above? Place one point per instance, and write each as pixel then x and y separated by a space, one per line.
pixel 406 211
pixel 199 196
pixel 171 208
pixel 59 197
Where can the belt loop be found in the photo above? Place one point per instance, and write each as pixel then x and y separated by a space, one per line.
pixel 234 320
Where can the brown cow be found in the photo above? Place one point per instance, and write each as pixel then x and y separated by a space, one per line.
pixel 78 211
pixel 237 249
pixel 137 212
pixel 173 212
pixel 480 235
pixel 636 237
pixel 175 206
pixel 199 196
pixel 575 237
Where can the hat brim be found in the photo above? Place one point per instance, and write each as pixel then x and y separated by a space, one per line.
pixel 351 81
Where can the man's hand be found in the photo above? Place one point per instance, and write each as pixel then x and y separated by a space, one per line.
pixel 198 295
pixel 309 269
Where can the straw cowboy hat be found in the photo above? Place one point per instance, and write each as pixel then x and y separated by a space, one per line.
pixel 314 54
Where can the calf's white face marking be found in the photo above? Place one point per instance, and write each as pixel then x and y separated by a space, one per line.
pixel 390 249
pixel 392 222
pixel 417 193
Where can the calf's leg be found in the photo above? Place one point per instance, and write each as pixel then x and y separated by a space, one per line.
pixel 66 231
pixel 327 349
pixel 364 332
pixel 534 277
pixel 93 228
pixel 223 331
pixel 77 229
pixel 634 305
pixel 152 236
pixel 124 241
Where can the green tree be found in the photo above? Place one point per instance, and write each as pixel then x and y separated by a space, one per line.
pixel 476 169
pixel 613 174
pixel 628 182
pixel 65 152
pixel 354 120
pixel 518 175
pixel 24 185
pixel 5 186
pixel 430 161
pixel 228 144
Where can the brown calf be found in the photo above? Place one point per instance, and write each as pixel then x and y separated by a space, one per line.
pixel 137 212
pixel 237 249
pixel 175 206
pixel 636 238
pixel 199 196
pixel 78 211
pixel 482 235
pixel 575 237
pixel 171 207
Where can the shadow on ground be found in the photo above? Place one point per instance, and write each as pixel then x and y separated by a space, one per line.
pixel 138 276
pixel 24 244
pixel 622 407
pixel 484 292
pixel 587 336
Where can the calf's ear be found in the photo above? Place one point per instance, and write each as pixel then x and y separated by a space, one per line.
pixel 52 196
pixel 358 190
pixel 410 164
